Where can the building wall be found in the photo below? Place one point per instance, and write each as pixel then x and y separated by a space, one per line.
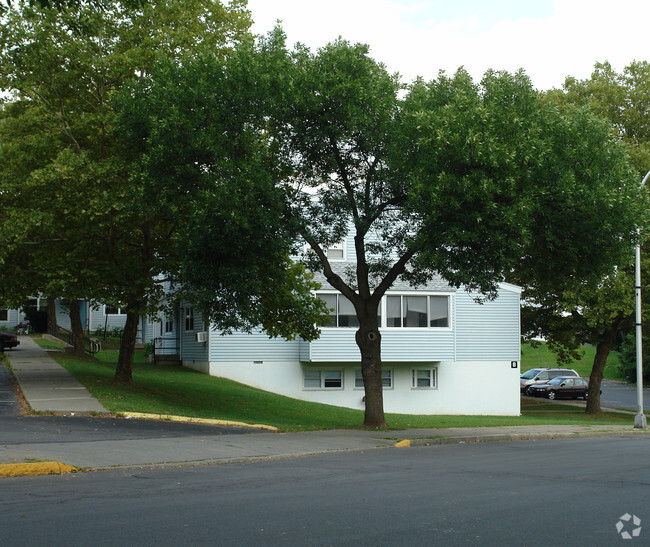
pixel 476 361
pixel 490 330
pixel 191 351
pixel 463 387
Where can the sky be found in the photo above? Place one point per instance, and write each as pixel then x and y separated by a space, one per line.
pixel 549 39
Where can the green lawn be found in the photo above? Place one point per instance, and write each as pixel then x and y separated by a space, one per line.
pixel 183 392
pixel 543 357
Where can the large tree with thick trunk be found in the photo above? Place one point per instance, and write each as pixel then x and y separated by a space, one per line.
pixel 470 181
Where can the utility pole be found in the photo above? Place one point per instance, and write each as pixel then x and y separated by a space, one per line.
pixel 640 421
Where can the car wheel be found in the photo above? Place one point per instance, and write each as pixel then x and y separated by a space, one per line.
pixel 2 347
pixel 527 391
pixel 551 395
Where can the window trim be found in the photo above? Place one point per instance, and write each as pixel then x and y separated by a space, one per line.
pixel 433 378
pixel 322 379
pixel 428 294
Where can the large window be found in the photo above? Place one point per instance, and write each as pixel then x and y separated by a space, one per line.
pixel 386 378
pixel 4 315
pixel 402 311
pixel 112 310
pixel 417 311
pixel 322 379
pixel 342 312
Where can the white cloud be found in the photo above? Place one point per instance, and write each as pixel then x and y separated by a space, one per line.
pixel 420 38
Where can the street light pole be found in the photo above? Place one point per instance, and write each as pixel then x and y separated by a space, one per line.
pixel 640 421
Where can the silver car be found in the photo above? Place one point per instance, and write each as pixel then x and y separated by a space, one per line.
pixel 541 376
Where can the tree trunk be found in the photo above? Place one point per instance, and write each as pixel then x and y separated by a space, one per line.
pixel 124 369
pixel 77 328
pixel 369 342
pixel 51 315
pixel 604 346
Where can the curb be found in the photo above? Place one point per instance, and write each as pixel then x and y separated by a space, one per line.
pixel 186 419
pixel 33 469
pixel 473 439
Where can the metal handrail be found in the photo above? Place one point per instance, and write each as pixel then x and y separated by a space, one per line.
pixel 171 345
pixel 65 335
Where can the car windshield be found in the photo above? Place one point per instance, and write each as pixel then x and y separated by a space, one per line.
pixel 529 375
pixel 556 381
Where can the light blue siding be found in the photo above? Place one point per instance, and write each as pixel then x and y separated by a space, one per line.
pixel 397 345
pixel 256 346
pixel 488 331
pixel 190 349
pixel 99 320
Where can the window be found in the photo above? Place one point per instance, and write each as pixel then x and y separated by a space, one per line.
pixel 342 312
pixel 417 311
pixel 112 310
pixel 4 315
pixel 322 379
pixel 386 378
pixel 424 378
pixel 336 251
pixel 169 324
pixel 189 319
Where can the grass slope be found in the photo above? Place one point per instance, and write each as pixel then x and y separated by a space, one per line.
pixel 183 392
pixel 543 357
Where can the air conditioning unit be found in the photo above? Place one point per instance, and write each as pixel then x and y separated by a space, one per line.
pixel 201 336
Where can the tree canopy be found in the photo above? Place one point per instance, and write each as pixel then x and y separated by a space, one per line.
pixel 595 312
pixel 478 182
pixel 74 224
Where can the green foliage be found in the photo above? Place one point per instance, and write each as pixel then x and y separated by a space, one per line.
pixel 627 366
pixel 200 163
pixel 74 224
pixel 590 312
pixel 149 348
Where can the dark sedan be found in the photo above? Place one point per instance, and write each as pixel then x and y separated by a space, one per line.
pixel 562 387
pixel 7 340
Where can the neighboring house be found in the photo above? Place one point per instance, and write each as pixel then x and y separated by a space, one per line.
pixel 442 352
pixel 9 318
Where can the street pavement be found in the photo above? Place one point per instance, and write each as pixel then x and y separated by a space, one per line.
pixel 82 434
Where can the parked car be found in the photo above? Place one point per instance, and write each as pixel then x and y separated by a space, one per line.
pixel 541 376
pixel 562 387
pixel 7 340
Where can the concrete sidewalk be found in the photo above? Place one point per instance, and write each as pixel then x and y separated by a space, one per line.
pixel 46 385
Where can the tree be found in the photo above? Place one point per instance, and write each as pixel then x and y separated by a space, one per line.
pixel 467 180
pixel 70 180
pixel 596 312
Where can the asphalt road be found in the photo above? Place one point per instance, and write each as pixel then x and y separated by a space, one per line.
pixel 622 395
pixel 561 491
pixel 16 428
